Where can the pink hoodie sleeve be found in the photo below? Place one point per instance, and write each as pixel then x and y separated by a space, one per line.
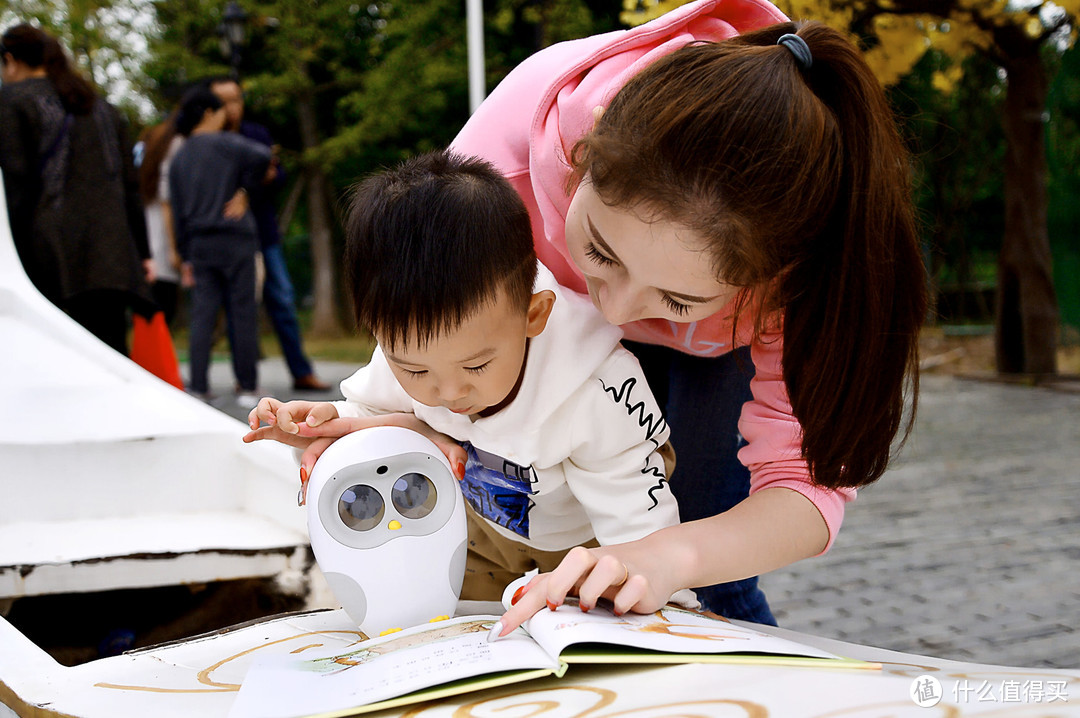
pixel 774 439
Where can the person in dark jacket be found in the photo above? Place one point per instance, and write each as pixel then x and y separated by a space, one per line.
pixel 278 297
pixel 218 251
pixel 71 186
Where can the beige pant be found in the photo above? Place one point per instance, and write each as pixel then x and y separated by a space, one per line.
pixel 494 560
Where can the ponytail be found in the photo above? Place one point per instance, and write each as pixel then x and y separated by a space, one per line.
pixel 854 305
pixel 793 172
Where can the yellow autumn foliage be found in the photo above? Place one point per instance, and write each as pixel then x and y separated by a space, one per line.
pixel 945 81
pixel 901 39
pixel 638 12
pixel 902 42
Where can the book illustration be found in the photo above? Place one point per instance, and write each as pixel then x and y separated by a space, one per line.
pixel 370 652
pixel 669 620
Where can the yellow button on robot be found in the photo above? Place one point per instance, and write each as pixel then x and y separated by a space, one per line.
pixel 394 525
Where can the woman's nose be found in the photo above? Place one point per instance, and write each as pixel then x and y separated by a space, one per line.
pixel 621 304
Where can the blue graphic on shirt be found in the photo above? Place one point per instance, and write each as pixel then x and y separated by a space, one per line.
pixel 499 490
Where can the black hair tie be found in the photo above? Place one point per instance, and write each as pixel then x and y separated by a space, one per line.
pixel 798 48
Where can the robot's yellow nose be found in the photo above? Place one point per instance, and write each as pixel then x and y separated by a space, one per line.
pixel 394 525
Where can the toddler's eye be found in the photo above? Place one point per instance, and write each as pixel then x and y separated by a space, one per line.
pixel 410 372
pixel 477 369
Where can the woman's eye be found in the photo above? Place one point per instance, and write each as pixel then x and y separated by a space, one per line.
pixel 594 254
pixel 677 308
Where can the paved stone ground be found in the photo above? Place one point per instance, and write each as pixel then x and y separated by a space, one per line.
pixel 968 548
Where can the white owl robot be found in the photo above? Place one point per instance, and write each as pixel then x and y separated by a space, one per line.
pixel 387 525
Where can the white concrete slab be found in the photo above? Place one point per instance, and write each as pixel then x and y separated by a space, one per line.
pixel 113 478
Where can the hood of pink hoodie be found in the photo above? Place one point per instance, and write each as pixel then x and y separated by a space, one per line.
pixel 530 122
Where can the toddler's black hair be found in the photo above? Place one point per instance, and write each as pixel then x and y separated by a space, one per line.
pixel 430 242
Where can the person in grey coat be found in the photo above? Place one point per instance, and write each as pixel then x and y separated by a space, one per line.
pixel 217 247
pixel 71 187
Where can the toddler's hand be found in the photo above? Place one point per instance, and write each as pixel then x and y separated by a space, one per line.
pixel 286 422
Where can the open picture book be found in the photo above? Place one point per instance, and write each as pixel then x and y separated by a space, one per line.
pixel 454 656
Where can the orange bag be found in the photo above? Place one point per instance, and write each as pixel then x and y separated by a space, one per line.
pixel 152 348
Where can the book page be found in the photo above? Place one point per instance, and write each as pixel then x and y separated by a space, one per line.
pixel 671 630
pixel 383 668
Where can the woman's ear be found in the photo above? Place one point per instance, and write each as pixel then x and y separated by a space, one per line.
pixel 540 307
pixel 597 113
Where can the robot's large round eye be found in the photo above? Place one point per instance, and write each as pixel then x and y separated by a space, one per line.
pixel 413 495
pixel 361 507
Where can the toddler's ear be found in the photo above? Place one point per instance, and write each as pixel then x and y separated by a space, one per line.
pixel 540 307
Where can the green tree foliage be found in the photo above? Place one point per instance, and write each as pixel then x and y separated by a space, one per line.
pixel 105 38
pixel 349 87
pixel 1063 146
pixel 958 145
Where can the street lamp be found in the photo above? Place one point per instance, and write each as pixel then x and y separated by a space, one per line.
pixel 233 32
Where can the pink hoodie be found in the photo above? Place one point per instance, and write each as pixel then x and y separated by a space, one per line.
pixel 527 127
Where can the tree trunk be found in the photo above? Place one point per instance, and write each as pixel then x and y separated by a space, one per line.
pixel 1027 312
pixel 324 320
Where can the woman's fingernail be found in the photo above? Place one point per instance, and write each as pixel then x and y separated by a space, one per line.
pixel 459 470
pixel 493 634
pixel 517 595
pixel 617 612
pixel 585 608
pixel 552 606
pixel 303 475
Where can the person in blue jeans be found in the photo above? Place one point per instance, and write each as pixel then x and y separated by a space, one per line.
pixel 278 296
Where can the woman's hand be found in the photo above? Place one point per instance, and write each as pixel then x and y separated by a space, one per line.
pixel 638 576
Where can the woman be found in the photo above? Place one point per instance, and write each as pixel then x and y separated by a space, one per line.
pixel 741 208
pixel 71 188
pixel 160 143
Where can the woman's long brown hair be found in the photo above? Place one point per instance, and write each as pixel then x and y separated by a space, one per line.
pixel 37 48
pixel 156 141
pixel 799 182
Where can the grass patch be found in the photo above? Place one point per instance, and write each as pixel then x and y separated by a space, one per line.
pixel 350 349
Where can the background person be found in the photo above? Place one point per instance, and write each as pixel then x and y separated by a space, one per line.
pixel 71 186
pixel 218 250
pixel 159 144
pixel 278 296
